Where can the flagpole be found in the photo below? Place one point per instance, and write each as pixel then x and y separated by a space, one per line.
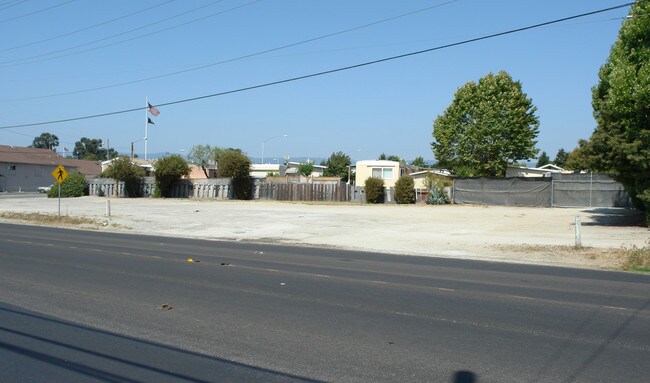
pixel 146 125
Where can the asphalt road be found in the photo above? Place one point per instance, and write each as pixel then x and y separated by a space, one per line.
pixel 90 306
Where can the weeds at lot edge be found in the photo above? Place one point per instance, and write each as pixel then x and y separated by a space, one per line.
pixel 637 258
pixel 626 258
pixel 51 219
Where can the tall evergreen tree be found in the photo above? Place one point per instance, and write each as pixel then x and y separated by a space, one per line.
pixel 621 102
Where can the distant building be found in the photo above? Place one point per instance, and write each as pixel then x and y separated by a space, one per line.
pixel 26 169
pixel 147 165
pixel 542 171
pixel 389 171
pixel 263 170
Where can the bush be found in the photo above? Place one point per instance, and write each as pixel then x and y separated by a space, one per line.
pixel 236 165
pixel 123 170
pixel 73 186
pixel 436 185
pixel 436 197
pixel 374 190
pixel 168 171
pixel 405 190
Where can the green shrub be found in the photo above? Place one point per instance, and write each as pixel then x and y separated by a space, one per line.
pixel 374 190
pixel 237 166
pixel 436 198
pixel 405 190
pixel 436 185
pixel 169 170
pixel 123 170
pixel 73 186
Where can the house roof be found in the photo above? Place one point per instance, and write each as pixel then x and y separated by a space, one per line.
pixel 378 163
pixel 291 164
pixel 36 156
pixel 442 172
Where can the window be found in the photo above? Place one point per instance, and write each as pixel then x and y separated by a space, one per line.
pixel 383 173
pixel 12 169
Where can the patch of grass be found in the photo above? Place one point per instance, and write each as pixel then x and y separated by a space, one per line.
pixel 637 258
pixel 49 219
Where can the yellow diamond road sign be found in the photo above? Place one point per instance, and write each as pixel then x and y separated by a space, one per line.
pixel 60 174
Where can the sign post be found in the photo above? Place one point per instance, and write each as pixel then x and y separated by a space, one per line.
pixel 59 175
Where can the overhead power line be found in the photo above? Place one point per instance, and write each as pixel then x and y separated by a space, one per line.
pixel 25 60
pixel 302 42
pixel 147 9
pixel 35 12
pixel 336 70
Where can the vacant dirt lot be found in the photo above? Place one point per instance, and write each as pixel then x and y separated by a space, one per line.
pixel 512 234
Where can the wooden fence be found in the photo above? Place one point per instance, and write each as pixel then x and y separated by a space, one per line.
pixel 338 192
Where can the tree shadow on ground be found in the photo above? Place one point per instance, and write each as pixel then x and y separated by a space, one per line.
pixel 615 217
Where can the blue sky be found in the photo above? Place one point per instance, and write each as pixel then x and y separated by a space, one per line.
pixel 51 59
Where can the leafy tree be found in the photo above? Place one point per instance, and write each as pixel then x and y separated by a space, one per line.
pixel 73 186
pixel 579 158
pixel 374 188
pixel 391 157
pixel 542 160
pixel 561 157
pixel 419 162
pixel 621 102
pixel 306 169
pixel 405 190
pixel 201 155
pixel 488 125
pixel 337 165
pixel 236 165
pixel 122 169
pixel 45 141
pixel 91 149
pixel 168 170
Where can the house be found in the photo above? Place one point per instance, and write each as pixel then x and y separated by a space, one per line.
pixel 26 169
pixel 542 171
pixel 420 177
pixel 147 165
pixel 263 170
pixel 389 171
pixel 293 169
pixel 197 173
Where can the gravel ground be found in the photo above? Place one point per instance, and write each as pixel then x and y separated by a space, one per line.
pixel 509 234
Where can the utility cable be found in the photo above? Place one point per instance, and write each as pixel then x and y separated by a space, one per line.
pixel 22 61
pixel 35 12
pixel 340 69
pixel 147 9
pixel 237 58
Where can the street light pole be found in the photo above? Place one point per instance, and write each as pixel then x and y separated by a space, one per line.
pixel 267 140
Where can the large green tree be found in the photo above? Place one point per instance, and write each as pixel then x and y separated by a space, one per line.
pixel 488 125
pixel 91 149
pixel 45 141
pixel 621 102
pixel 338 165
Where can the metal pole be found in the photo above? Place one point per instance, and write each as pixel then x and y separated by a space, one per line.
pixel 263 142
pixel 59 200
pixel 146 125
pixel 578 235
pixel 591 182
pixel 552 190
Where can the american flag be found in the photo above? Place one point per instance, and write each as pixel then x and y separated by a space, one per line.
pixel 153 110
